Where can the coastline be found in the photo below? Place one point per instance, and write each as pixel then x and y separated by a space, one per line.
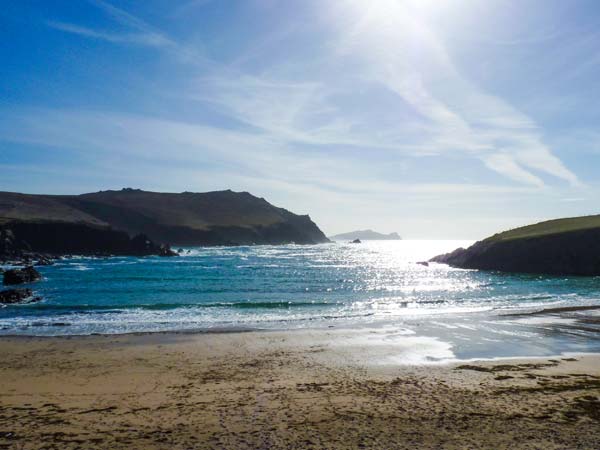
pixel 285 389
pixel 559 312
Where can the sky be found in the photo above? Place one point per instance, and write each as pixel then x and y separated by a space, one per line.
pixel 438 119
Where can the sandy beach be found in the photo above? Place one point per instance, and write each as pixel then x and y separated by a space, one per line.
pixel 295 389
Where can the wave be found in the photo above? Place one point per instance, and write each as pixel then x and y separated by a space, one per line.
pixel 277 305
pixel 116 308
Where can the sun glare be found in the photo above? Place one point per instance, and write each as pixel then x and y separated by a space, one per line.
pixel 386 10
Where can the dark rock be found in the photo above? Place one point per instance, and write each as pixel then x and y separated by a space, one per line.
pixel 8 244
pixel 356 241
pixel 569 253
pixel 55 238
pixel 44 261
pixel 165 250
pixel 141 245
pixel 452 258
pixel 179 250
pixel 20 276
pixel 423 263
pixel 12 296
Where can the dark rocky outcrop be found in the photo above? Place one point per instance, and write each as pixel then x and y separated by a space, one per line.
pixel 454 258
pixel 21 276
pixel 165 250
pixel 14 296
pixel 186 219
pixel 9 246
pixel 44 261
pixel 40 240
pixel 356 241
pixel 554 248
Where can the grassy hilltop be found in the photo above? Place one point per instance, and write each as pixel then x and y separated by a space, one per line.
pixel 548 227
pixel 568 246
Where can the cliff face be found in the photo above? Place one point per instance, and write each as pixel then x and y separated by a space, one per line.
pixel 186 219
pixel 561 247
pixel 70 238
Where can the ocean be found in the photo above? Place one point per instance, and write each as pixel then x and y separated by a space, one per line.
pixel 372 285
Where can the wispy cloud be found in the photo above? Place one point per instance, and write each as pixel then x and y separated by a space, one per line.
pixel 136 32
pixel 106 135
pixel 148 39
pixel 418 68
pixel 192 156
pixel 389 46
pixel 189 6
pixel 125 18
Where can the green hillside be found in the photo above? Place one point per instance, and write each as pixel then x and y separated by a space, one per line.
pixel 187 218
pixel 548 228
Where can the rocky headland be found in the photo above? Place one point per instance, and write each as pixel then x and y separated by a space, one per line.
pixel 132 221
pixel 558 247
pixel 41 242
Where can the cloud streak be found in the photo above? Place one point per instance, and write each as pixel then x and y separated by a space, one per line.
pixel 404 54
pixel 389 46
pixel 146 39
pixel 139 32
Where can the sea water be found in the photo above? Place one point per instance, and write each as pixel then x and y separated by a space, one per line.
pixel 373 284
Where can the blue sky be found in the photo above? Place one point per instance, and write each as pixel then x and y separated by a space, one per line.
pixel 433 118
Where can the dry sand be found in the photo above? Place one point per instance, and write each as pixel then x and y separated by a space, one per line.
pixel 283 390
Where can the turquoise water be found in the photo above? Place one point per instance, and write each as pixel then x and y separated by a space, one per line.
pixel 330 285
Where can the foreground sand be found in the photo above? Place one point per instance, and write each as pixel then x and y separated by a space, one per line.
pixel 283 390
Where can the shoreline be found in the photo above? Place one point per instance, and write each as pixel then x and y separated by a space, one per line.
pixel 441 339
pixel 562 322
pixel 285 390
pixel 223 330
pixel 152 337
pixel 524 311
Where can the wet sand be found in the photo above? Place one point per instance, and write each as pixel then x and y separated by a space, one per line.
pixel 300 389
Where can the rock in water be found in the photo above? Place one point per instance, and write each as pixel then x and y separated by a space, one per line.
pixel 44 261
pixel 355 241
pixel 12 296
pixel 165 250
pixel 20 276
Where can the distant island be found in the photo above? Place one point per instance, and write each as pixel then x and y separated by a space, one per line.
pixel 366 235
pixel 131 221
pixel 568 246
